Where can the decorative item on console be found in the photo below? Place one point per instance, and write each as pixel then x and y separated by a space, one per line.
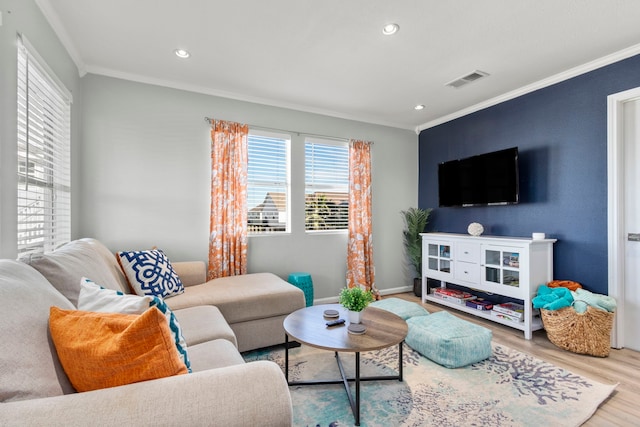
pixel 475 229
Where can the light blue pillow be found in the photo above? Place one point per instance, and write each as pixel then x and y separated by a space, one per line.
pixel 449 340
pixel 400 307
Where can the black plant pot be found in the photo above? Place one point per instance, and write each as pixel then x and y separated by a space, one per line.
pixel 417 287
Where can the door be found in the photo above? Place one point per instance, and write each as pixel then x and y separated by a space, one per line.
pixel 631 309
pixel 623 166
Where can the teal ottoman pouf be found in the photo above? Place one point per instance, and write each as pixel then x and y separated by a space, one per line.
pixel 448 340
pixel 304 282
pixel 400 307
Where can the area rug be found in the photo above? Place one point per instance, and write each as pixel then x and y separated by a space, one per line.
pixel 508 389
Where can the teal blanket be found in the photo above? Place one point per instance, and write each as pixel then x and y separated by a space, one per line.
pixel 552 298
pixel 603 302
pixel 557 298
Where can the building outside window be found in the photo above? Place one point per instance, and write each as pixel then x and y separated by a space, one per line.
pixel 326 185
pixel 268 184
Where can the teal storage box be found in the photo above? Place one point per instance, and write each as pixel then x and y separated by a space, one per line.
pixel 304 282
pixel 448 340
pixel 403 308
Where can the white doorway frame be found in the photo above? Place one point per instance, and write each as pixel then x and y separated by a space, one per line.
pixel 615 208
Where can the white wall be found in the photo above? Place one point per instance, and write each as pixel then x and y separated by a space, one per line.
pixel 24 17
pixel 145 163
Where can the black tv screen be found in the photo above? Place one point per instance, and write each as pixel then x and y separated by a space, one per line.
pixel 485 179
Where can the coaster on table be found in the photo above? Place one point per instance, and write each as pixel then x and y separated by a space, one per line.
pixel 331 313
pixel 356 328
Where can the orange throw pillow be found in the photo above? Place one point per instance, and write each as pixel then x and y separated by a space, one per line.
pixel 100 350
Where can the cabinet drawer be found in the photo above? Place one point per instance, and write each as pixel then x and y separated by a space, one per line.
pixel 467 271
pixel 468 252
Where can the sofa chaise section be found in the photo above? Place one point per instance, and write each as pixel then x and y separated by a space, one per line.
pixel 254 305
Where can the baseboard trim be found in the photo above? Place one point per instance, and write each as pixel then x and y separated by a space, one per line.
pixel 390 291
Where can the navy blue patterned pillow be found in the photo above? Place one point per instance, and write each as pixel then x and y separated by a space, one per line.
pixel 150 273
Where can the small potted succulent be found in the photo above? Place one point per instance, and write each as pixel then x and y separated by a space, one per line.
pixel 355 300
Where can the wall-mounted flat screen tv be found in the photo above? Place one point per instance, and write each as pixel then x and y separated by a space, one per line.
pixel 485 179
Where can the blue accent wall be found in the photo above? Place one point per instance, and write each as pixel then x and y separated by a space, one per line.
pixel 561 134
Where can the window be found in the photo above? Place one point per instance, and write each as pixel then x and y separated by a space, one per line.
pixel 44 123
pixel 326 185
pixel 268 183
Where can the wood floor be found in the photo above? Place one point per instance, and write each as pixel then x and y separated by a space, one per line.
pixel 622 408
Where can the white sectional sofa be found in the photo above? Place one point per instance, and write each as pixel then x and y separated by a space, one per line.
pixel 219 319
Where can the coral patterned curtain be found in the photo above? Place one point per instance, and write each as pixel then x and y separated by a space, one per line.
pixel 360 271
pixel 228 223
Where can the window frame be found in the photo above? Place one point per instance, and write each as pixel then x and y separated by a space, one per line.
pixel 343 144
pixel 253 184
pixel 43 147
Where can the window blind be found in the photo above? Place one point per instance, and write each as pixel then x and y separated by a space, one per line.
pixel 43 139
pixel 326 185
pixel 268 183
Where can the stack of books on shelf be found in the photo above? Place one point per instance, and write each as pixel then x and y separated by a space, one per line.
pixel 480 304
pixel 509 311
pixel 453 295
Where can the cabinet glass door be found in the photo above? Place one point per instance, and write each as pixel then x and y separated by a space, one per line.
pixel 445 258
pixel 439 257
pixel 432 252
pixel 511 274
pixel 502 267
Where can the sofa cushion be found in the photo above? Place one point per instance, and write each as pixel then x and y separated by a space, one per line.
pixel 100 350
pixel 29 367
pixel 204 323
pixel 65 266
pixel 243 298
pixel 190 272
pixel 215 354
pixel 94 298
pixel 150 273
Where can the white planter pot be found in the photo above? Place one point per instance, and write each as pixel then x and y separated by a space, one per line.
pixel 355 316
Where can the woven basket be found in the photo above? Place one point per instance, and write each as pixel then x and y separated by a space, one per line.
pixel 582 333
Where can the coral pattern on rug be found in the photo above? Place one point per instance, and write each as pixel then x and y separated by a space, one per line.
pixel 508 389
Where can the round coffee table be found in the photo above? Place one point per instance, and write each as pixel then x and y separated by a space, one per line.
pixel 308 326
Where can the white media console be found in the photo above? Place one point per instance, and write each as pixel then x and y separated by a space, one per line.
pixel 508 266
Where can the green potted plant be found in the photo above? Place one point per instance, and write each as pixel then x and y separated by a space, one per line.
pixel 355 300
pixel 415 221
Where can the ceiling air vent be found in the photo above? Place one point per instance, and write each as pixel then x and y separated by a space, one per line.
pixel 471 77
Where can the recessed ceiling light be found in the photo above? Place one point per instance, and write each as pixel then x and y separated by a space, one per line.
pixel 419 107
pixel 390 29
pixel 181 53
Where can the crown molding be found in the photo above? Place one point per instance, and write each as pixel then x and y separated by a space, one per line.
pixel 237 97
pixel 54 20
pixel 549 81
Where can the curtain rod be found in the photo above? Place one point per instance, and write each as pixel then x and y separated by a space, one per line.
pixel 335 138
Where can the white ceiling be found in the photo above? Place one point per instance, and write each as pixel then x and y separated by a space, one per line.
pixel 330 57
